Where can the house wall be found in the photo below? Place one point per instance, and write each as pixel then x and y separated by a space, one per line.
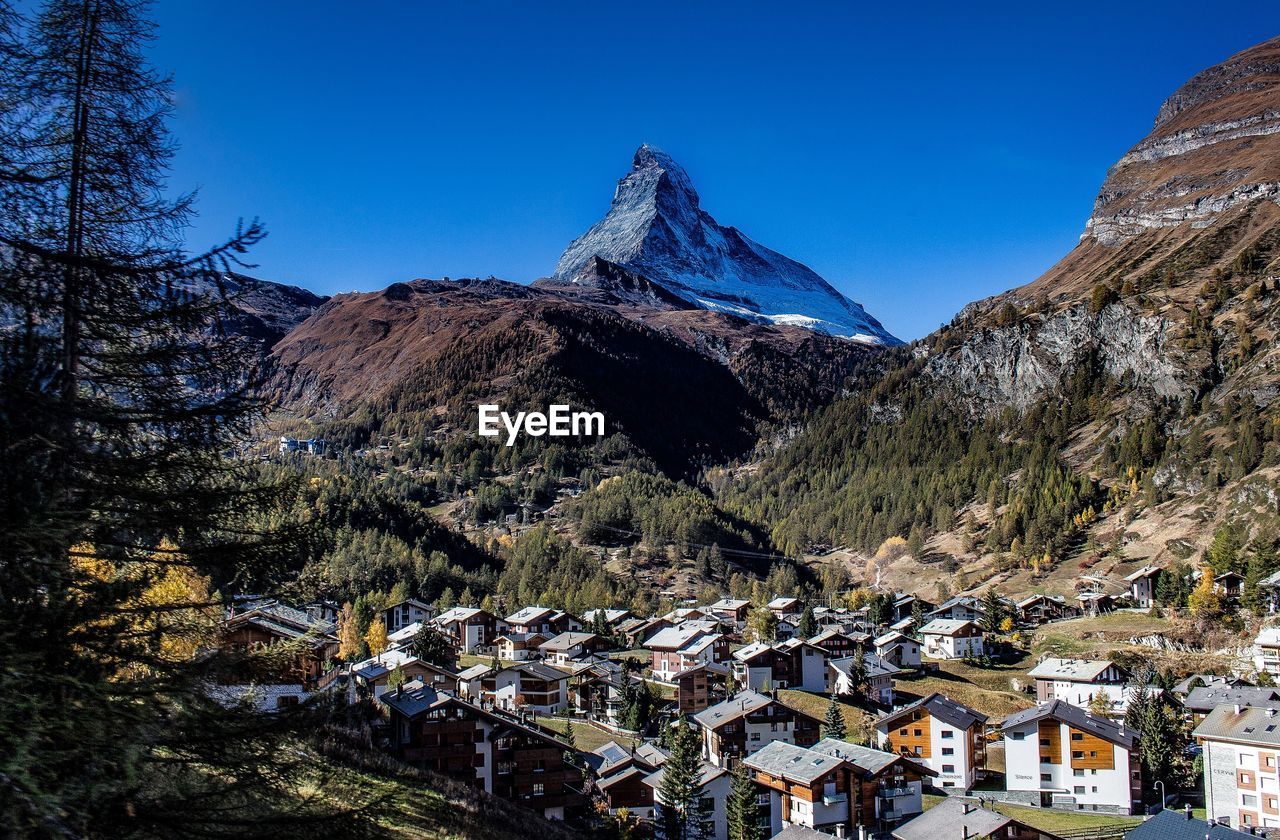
pixel 1241 784
pixel 1082 773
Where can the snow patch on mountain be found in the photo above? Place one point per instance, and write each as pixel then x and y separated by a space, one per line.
pixel 656 227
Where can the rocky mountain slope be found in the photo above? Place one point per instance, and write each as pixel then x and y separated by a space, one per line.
pixel 1117 410
pixel 657 228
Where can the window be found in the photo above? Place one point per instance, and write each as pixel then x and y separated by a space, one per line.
pixel 1077 754
pixel 1246 779
pixel 902 732
pixel 1044 742
pixel 773 726
pixel 919 733
pixel 948 768
pixel 755 736
pixel 1095 788
pixel 1079 789
pixel 1248 800
pixel 1017 736
pixel 1046 777
pixel 948 751
pixel 947 733
pixel 538 789
pixel 1077 772
pixel 1076 736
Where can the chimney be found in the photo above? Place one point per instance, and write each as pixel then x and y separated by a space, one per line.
pixel 1188 810
pixel 968 807
pixel 1237 708
pixel 840 831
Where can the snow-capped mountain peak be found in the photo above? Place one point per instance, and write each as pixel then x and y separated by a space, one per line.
pixel 657 228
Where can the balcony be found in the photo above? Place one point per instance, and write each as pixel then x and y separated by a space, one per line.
pixel 889 793
pixel 834 798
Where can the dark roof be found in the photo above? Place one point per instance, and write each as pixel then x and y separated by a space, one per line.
pixel 1175 825
pixel 1075 717
pixel 416 698
pixel 1205 699
pixel 943 708
pixel 795 764
pixel 953 819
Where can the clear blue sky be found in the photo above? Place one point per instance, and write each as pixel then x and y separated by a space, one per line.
pixel 918 156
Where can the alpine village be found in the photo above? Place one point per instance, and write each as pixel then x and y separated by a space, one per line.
pixel 261 577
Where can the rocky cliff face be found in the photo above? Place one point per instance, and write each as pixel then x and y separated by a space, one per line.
pixel 1194 203
pixel 657 228
pixel 1215 146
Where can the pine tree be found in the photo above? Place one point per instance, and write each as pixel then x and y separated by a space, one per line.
pixel 680 792
pixel 431 645
pixel 122 388
pixel 993 610
pixel 833 726
pixel 808 627
pixel 741 809
pixel 568 734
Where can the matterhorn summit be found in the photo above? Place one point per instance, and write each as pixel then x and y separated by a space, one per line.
pixel 657 228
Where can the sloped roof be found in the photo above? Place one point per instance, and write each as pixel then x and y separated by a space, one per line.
pixel 743 703
pixel 1145 571
pixel 1072 670
pixel 867 759
pixel 795 764
pixel 945 626
pixel 953 818
pixel 1251 725
pixel 1074 717
pixel 1207 698
pixel 943 708
pixel 526 615
pixel 1173 824
pixel 566 640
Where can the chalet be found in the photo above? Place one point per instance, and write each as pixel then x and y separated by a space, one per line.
pixel 637 631
pixel 716 783
pixel 1228 584
pixel 1059 756
pixel 959 608
pixel 406 612
pixel 836 787
pixel 783 606
pixel 839 645
pixel 1212 681
pixel 732 609
pixel 1266 651
pixel 946 736
pixel 619 773
pixel 748 721
pixel 677 649
pixel 597 691
pixel 1242 765
pixel 526 686
pixel 951 639
pixel 375 672
pixel 904 607
pixel 436 731
pixel 1095 603
pixel 517 647
pixel 1080 681
pixel 268 623
pixel 877 672
pixel 612 617
pixel 402 637
pixel 471 682
pixel 1142 585
pixel 1270 588
pixel 696 686
pixel 570 647
pixel 469 628
pixel 960 819
pixel 787 627
pixel 542 620
pixel 899 649
pixel 791 664
pixel 1038 609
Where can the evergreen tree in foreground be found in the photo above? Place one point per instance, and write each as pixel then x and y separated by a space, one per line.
pixel 741 811
pixel 681 789
pixel 121 393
